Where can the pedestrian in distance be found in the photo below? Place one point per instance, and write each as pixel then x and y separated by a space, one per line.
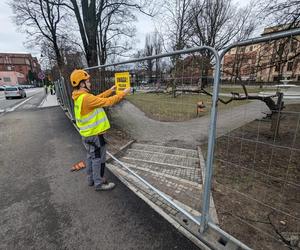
pixel 46 89
pixel 92 122
pixel 51 89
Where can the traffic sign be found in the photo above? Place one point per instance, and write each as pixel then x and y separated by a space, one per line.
pixel 41 75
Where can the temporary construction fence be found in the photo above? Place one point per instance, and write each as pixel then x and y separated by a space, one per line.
pixel 255 179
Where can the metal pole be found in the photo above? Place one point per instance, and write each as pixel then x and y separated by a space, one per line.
pixel 210 151
pixel 68 101
pixel 177 52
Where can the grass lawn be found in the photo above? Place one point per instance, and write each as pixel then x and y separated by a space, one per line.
pixel 164 107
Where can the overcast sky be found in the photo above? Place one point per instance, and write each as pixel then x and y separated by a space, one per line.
pixel 13 41
pixel 10 39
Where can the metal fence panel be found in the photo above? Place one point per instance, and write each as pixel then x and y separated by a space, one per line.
pixel 256 172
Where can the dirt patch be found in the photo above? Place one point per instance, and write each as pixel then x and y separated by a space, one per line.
pixel 116 138
pixel 256 180
pixel 256 185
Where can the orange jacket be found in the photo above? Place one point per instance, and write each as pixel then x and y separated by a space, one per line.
pixel 91 102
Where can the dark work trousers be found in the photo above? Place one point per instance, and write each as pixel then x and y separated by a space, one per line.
pixel 96 157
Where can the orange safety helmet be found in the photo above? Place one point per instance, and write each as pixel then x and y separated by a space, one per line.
pixel 77 76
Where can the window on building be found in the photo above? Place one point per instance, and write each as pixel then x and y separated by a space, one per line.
pixel 277 67
pixel 294 46
pixel 243 49
pixel 244 60
pixel 280 49
pixel 289 66
pixel 251 48
pixel 6 79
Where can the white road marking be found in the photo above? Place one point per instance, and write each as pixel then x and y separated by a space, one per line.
pixel 13 108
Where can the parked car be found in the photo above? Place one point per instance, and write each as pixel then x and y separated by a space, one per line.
pixel 2 88
pixel 14 91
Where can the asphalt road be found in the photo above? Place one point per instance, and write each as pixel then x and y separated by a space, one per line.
pixel 33 100
pixel 45 206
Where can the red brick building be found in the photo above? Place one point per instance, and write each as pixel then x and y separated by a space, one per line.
pixel 21 63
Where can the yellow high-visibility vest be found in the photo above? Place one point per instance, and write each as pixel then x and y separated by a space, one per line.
pixel 93 123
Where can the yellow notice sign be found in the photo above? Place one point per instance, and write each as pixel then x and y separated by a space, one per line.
pixel 122 81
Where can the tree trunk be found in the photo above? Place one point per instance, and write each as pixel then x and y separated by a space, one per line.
pixel 275 123
pixel 276 117
pixel 88 29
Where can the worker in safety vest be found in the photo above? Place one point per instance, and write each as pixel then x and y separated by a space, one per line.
pixel 93 123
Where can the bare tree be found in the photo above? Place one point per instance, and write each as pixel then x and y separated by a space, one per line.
pixel 101 25
pixel 153 46
pixel 148 51
pixel 113 30
pixel 216 23
pixel 87 22
pixel 280 12
pixel 157 44
pixel 42 21
pixel 176 19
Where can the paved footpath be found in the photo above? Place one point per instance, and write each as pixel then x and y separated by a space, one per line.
pixel 189 133
pixel 49 101
pixel 45 206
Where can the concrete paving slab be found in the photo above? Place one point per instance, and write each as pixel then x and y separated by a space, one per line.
pixel 176 175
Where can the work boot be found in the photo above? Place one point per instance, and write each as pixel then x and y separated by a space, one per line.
pixel 104 180
pixel 91 183
pixel 105 187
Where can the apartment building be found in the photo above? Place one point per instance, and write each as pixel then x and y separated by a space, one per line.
pixel 18 68
pixel 265 62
